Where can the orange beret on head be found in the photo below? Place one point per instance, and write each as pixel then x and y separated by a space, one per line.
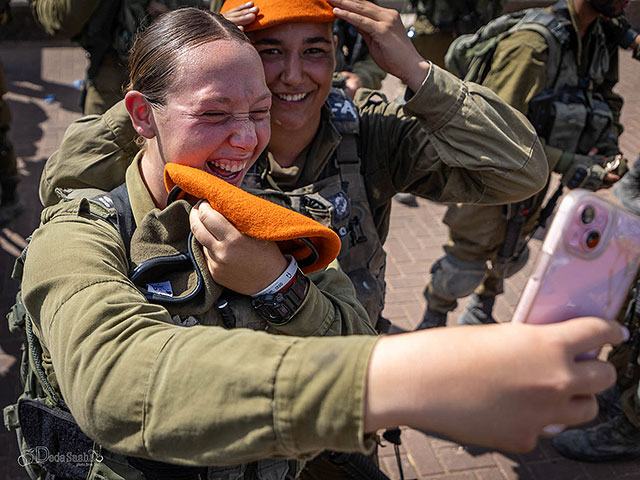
pixel 256 217
pixel 277 12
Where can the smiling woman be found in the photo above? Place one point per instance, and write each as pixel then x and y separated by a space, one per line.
pixel 189 113
pixel 198 97
pixel 198 368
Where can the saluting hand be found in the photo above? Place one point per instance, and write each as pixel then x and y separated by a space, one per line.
pixel 386 37
pixel 242 15
pixel 236 261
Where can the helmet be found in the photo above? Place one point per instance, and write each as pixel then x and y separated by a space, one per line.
pixel 608 8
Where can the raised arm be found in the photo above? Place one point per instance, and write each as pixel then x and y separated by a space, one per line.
pixel 453 141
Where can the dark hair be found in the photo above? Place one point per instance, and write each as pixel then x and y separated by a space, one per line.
pixel 154 56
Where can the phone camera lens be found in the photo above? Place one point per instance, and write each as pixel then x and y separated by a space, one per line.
pixel 593 239
pixel 588 214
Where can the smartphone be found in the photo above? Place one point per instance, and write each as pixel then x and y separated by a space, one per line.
pixel 588 261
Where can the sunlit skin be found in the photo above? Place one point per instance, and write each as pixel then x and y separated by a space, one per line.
pixel 298 60
pixel 208 122
pixel 216 119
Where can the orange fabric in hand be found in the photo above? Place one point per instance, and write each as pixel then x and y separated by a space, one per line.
pixel 257 217
pixel 277 12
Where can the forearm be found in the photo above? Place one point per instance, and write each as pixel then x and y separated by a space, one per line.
pixel 496 386
pixel 238 395
pixel 123 366
pixel 480 137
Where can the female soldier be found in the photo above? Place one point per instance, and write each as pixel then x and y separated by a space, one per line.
pixel 342 163
pixel 166 386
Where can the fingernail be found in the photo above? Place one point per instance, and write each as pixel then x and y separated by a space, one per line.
pixel 553 430
pixel 198 203
pixel 625 333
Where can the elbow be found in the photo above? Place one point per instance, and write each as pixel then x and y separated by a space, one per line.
pixel 535 173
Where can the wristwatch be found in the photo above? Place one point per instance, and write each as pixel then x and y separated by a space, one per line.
pixel 278 308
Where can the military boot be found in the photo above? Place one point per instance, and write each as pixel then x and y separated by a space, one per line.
pixel 479 311
pixel 609 403
pixel 616 439
pixel 432 319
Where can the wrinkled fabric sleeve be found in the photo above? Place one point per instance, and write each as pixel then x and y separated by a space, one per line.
pixel 101 147
pixel 64 17
pixel 142 386
pixel 452 142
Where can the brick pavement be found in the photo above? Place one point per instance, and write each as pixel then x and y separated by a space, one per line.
pixel 44 102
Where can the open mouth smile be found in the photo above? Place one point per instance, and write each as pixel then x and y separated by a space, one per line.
pixel 227 171
pixel 296 97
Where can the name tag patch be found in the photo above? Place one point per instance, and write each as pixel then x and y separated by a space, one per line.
pixel 161 288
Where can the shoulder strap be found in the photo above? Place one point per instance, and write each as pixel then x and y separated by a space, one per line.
pixel 126 222
pixel 556 34
pixel 346 119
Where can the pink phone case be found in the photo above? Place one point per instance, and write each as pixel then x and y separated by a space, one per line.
pixel 588 260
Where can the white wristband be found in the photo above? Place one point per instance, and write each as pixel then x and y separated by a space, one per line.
pixel 282 280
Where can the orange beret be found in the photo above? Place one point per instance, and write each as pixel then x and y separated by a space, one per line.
pixel 313 245
pixel 277 12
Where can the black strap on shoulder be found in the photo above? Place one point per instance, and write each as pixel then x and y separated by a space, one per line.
pixel 126 222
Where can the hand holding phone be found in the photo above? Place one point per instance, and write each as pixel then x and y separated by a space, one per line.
pixel 588 260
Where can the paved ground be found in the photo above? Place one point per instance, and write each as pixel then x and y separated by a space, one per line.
pixel 44 102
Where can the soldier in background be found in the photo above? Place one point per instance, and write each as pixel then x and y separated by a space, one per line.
pixel 105 30
pixel 618 437
pixel 354 66
pixel 437 24
pixel 550 69
pixel 10 205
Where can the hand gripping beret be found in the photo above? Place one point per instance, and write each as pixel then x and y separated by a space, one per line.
pixel 313 245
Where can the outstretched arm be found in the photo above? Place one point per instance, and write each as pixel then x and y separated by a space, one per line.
pixel 495 385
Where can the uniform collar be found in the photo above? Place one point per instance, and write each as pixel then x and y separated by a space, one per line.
pixel 139 196
pixel 311 161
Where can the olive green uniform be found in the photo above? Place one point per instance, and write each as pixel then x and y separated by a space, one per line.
pixel 438 23
pixel 141 381
pixel 429 153
pixel 518 73
pixel 425 147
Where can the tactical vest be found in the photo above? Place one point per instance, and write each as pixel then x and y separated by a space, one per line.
pixel 339 200
pixel 569 114
pixel 50 440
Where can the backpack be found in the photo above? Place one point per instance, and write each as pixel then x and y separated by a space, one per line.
pixel 50 424
pixel 470 56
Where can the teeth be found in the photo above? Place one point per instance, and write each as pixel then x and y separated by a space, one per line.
pixel 232 168
pixel 292 98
